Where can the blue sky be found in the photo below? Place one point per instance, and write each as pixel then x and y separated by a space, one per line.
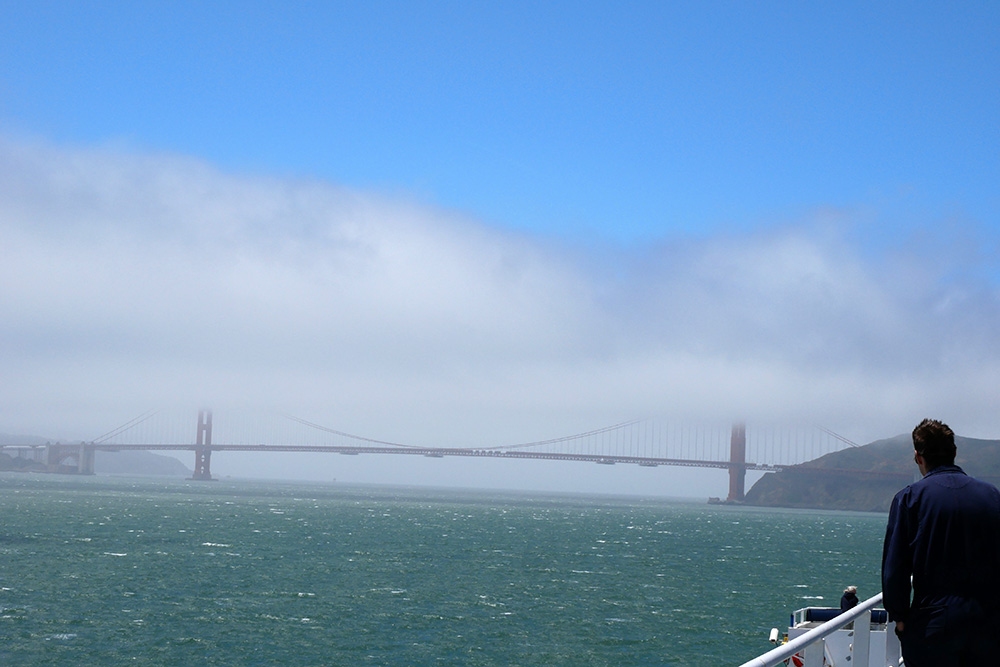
pixel 628 121
pixel 429 221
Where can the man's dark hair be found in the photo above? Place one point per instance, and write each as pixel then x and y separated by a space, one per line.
pixel 934 441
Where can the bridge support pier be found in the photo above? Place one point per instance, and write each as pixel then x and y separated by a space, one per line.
pixel 203 448
pixel 737 463
pixel 81 456
pixel 85 460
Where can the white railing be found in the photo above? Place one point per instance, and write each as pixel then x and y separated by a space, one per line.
pixel 810 646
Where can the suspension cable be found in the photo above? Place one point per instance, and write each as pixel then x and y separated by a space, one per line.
pixel 523 445
pixel 566 438
pixel 349 435
pixel 838 437
pixel 127 425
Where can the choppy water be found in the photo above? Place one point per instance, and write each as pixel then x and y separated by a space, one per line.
pixel 110 571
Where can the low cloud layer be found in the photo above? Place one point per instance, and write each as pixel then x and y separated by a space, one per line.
pixel 131 281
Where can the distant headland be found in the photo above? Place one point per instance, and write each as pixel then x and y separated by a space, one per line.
pixel 888 467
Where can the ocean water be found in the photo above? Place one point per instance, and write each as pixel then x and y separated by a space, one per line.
pixel 108 571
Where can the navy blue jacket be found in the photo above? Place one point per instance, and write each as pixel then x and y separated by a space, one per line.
pixel 945 531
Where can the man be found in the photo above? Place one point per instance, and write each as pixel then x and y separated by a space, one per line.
pixel 849 600
pixel 944 531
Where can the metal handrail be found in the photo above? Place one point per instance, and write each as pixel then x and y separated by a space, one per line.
pixel 778 655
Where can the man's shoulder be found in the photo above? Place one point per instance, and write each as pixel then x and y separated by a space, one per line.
pixel 947 488
pixel 953 475
pixel 905 493
pixel 904 498
pixel 934 481
pixel 928 482
pixel 984 487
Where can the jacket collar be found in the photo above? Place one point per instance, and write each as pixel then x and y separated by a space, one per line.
pixel 944 469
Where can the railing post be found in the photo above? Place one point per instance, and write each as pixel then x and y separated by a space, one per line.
pixel 861 640
pixel 812 656
pixel 892 648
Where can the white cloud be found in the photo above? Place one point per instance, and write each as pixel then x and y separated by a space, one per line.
pixel 130 281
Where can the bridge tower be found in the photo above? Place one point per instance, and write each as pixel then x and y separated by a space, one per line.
pixel 203 448
pixel 737 463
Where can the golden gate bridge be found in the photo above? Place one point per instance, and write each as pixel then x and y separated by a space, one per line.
pixel 648 443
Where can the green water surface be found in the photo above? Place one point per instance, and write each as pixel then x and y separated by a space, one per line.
pixel 108 571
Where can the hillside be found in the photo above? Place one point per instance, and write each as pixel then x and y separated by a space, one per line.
pixel 139 463
pixel 889 465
